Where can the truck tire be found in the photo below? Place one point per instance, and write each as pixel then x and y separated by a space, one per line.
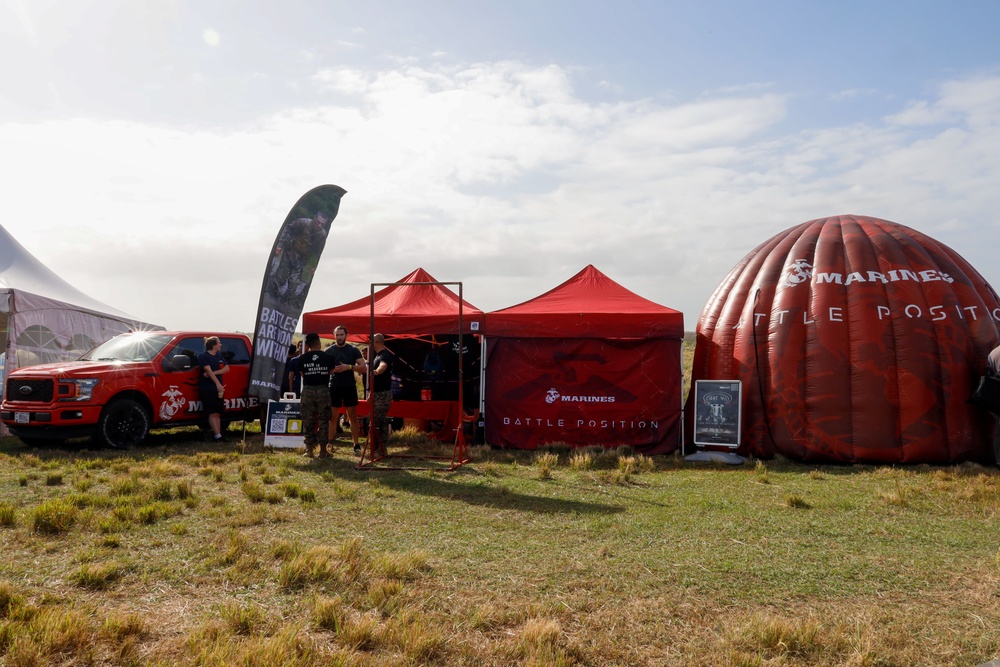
pixel 123 423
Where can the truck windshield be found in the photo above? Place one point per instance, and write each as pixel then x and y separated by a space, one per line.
pixel 129 347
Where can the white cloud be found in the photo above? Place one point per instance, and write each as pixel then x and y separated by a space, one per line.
pixel 342 80
pixel 497 174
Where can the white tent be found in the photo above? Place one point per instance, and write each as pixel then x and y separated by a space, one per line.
pixel 43 318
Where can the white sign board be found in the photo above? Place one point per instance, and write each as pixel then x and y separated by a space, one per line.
pixel 718 413
pixel 283 427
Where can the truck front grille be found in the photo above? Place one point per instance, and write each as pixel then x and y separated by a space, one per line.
pixel 28 391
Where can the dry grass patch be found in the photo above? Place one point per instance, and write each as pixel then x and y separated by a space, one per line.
pixel 421 641
pixel 406 565
pixel 796 501
pixel 97 576
pixel 545 462
pixel 775 636
pixel 541 641
pixel 490 469
pixel 385 595
pixel 330 613
pixel 8 515
pixel 899 496
pixel 760 472
pixel 54 516
pixel 55 635
pixel 316 565
pixel 210 646
pixel 581 460
pixel 361 633
pixel 243 618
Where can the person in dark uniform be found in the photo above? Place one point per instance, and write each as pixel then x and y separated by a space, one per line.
pixel 210 389
pixel 343 386
pixel 381 389
pixel 315 366
pixel 292 353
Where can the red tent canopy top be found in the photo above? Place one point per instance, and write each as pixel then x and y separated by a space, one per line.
pixel 400 309
pixel 588 305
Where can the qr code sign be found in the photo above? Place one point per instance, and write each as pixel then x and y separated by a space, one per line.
pixel 279 425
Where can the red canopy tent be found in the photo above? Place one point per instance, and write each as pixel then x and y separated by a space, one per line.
pixel 400 310
pixel 587 363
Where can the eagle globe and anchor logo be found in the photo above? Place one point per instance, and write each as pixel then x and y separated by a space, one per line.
pixel 799 271
pixel 551 396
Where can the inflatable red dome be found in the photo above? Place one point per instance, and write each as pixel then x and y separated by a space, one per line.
pixel 856 340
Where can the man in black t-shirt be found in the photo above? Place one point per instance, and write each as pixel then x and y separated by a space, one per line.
pixel 343 386
pixel 210 389
pixel 315 367
pixel 381 389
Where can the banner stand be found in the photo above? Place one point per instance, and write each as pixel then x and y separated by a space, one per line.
pixel 718 416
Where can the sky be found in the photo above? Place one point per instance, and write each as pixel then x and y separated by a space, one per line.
pixel 149 151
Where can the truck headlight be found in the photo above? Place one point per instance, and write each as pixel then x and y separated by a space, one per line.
pixel 79 390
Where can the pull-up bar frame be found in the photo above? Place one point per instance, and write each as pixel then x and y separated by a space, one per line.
pixel 460 451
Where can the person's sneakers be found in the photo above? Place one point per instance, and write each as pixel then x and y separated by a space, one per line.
pixel 357 448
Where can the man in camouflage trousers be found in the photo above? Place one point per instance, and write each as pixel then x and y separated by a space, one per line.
pixel 315 366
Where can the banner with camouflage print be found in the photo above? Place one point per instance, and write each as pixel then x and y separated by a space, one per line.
pixel 287 278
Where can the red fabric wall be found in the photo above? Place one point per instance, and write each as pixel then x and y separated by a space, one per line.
pixel 584 392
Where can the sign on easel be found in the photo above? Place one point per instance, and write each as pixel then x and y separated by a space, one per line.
pixel 718 413
pixel 283 427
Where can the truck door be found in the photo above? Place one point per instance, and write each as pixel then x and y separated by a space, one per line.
pixel 179 400
pixel 236 352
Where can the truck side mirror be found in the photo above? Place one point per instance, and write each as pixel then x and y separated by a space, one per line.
pixel 181 362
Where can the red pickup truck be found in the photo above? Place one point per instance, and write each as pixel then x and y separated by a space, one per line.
pixel 124 387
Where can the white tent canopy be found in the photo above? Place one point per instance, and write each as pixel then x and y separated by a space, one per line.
pixel 43 318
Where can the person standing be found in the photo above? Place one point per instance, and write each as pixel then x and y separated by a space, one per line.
pixel 381 389
pixel 993 369
pixel 315 367
pixel 210 388
pixel 293 370
pixel 343 386
pixel 287 379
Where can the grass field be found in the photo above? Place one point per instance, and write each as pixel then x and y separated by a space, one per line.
pixel 181 553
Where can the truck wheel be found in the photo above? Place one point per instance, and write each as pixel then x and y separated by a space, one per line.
pixel 123 423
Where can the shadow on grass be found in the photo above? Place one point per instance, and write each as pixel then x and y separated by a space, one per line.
pixel 182 440
pixel 444 485
pixel 496 497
